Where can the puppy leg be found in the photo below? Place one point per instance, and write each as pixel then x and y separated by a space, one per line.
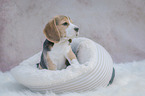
pixel 51 66
pixel 71 57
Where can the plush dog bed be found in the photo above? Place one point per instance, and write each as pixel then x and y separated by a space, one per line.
pixel 95 70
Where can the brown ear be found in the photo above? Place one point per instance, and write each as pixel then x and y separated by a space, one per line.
pixel 51 32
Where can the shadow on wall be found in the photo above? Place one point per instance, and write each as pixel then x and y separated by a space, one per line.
pixel 115 24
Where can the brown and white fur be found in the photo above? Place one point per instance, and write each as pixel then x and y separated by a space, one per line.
pixel 56 48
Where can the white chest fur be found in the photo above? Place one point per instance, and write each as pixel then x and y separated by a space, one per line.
pixel 58 53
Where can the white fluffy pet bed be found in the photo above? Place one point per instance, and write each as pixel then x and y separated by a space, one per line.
pixel 95 70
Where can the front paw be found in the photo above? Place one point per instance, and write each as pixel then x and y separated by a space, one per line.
pixel 75 62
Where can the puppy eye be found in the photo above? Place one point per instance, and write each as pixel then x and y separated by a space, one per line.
pixel 65 23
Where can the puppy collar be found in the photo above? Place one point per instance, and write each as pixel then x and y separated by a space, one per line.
pixel 70 40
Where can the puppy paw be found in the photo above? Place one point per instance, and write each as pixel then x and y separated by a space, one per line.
pixel 75 62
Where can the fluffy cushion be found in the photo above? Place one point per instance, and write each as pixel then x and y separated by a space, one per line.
pixel 94 70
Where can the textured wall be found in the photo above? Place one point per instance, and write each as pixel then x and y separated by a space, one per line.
pixel 118 25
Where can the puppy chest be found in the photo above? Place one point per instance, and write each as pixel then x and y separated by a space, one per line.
pixel 57 55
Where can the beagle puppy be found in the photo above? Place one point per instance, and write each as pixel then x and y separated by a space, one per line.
pixel 59 33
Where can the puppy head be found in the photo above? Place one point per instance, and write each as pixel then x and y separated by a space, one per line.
pixel 60 27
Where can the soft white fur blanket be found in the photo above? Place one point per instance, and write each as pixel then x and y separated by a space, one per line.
pixel 129 81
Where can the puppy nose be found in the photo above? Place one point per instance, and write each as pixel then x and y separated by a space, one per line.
pixel 76 29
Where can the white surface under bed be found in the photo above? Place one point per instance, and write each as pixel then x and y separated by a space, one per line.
pixel 129 81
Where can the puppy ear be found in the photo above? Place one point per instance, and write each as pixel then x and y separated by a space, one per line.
pixel 51 32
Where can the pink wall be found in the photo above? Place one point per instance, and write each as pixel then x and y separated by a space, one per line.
pixel 117 25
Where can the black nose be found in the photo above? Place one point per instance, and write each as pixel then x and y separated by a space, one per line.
pixel 76 29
